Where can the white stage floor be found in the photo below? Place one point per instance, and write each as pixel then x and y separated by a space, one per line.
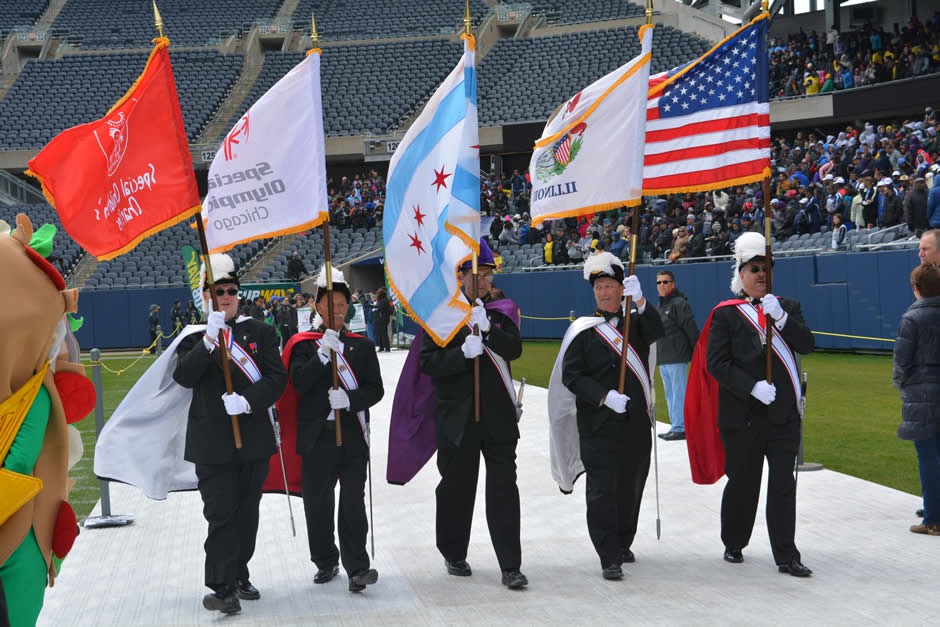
pixel 868 568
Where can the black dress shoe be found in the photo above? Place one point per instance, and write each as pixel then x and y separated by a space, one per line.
pixel 662 436
pixel 326 574
pixel 247 592
pixel 227 603
pixel 627 556
pixel 794 568
pixel 459 568
pixel 359 581
pixel 674 435
pixel 733 556
pixel 514 580
pixel 919 513
pixel 612 572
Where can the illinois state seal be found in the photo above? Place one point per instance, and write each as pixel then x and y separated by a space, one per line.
pixel 556 160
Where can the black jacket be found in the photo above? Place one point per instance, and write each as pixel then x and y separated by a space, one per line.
pixel 313 380
pixel 591 369
pixel 209 438
pixel 917 369
pixel 453 382
pixel 681 331
pixel 736 359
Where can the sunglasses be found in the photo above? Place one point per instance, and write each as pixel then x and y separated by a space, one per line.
pixel 663 282
pixel 221 291
pixel 754 269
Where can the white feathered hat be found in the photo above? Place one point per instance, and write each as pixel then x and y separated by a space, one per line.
pixel 223 270
pixel 603 264
pixel 339 283
pixel 747 247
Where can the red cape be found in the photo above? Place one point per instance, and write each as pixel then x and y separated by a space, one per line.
pixel 287 416
pixel 706 453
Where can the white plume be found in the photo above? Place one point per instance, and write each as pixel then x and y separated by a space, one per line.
pixel 602 263
pixel 746 247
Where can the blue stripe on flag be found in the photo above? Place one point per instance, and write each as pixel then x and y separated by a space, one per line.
pixel 466 187
pixel 433 291
pixel 470 83
pixel 451 111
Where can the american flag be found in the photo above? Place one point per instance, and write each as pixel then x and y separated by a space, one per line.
pixel 708 122
pixel 562 150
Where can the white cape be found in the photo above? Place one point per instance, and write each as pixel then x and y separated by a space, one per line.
pixel 143 442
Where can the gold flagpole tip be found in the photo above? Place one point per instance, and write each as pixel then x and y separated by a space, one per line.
pixel 649 12
pixel 467 20
pixel 314 36
pixel 157 19
pixel 764 5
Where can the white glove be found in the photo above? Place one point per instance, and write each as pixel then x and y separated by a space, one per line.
pixel 617 401
pixel 478 317
pixel 338 398
pixel 771 306
pixel 764 392
pixel 472 346
pixel 632 288
pixel 329 342
pixel 236 404
pixel 215 322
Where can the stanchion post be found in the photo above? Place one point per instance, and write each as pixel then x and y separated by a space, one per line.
pixel 159 340
pixel 106 519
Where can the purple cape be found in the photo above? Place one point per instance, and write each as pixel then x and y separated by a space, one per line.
pixel 412 437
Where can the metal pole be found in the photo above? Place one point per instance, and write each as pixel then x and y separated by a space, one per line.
pixel 106 519
pixel 159 347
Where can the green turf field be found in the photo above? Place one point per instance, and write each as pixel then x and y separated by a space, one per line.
pixel 852 416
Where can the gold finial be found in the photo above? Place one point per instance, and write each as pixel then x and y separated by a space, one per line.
pixel 649 12
pixel 466 18
pixel 314 36
pixel 157 19
pixel 764 5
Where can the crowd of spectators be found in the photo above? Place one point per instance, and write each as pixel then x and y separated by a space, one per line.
pixel 877 176
pixel 357 202
pixel 815 63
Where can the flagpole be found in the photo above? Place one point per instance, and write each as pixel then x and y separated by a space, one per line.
pixel 768 255
pixel 475 282
pixel 632 266
pixel 210 279
pixel 328 270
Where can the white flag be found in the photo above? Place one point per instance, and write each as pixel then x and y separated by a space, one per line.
pixel 269 176
pixel 590 155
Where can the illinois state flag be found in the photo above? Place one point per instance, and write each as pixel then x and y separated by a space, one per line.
pixel 269 176
pixel 432 204
pixel 126 176
pixel 590 155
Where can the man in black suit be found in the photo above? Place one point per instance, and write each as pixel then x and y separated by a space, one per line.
pixel 613 427
pixel 461 440
pixel 758 419
pixel 230 479
pixel 324 462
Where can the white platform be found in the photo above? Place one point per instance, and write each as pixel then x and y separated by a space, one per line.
pixel 868 568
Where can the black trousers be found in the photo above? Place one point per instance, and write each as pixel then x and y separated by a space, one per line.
pixel 456 493
pixel 616 461
pixel 381 334
pixel 231 496
pixel 745 450
pixel 322 467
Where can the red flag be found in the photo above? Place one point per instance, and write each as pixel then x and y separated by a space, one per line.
pixel 126 176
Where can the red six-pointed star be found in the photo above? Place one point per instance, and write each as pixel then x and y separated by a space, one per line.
pixel 440 179
pixel 419 217
pixel 416 243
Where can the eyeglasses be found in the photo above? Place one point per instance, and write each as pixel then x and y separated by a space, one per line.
pixel 221 291
pixel 754 269
pixel 663 282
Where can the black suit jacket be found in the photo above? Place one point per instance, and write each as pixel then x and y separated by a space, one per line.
pixel 209 437
pixel 453 382
pixel 736 359
pixel 313 380
pixel 591 368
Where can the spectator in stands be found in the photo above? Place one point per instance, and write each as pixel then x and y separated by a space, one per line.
pixel 889 206
pixel 680 244
pixel 153 323
pixel 618 246
pixel 838 232
pixel 560 249
pixel 508 234
pixel 915 207
pixel 697 242
pixel 548 250
pixel 575 252
pixel 917 374
pixel 718 241
pixel 296 269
